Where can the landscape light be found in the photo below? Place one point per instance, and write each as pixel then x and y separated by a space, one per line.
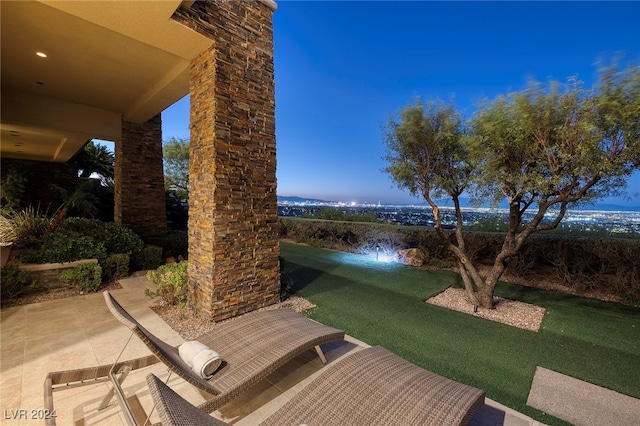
pixel 377 251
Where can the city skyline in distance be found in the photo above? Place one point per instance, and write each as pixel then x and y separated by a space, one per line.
pixel 465 202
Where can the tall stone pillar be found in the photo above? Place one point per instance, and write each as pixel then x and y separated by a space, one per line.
pixel 233 239
pixel 139 179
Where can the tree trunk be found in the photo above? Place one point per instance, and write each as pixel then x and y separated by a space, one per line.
pixel 468 286
pixel 56 220
pixel 485 293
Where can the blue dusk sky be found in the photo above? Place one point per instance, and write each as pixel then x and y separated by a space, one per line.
pixel 342 67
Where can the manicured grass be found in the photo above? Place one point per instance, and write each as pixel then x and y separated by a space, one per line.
pixel 384 304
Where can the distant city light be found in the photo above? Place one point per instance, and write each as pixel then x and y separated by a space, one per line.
pixel 618 222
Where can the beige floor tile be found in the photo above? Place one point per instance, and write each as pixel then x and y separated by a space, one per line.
pixel 12 329
pixel 13 314
pixel 10 391
pixel 249 402
pixel 11 368
pixel 11 350
pixel 79 405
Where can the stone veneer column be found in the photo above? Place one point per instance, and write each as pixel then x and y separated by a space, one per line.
pixel 139 179
pixel 233 238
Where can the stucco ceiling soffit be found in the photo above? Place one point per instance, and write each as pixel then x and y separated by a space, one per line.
pixel 144 21
pixel 163 92
pixel 39 112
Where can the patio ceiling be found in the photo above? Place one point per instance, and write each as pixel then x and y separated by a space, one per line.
pixel 107 61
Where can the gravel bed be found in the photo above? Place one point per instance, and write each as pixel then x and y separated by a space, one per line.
pixel 510 312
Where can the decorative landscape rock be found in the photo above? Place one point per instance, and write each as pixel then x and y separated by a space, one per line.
pixel 412 257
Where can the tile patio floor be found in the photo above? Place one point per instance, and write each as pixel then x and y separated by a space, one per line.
pixel 80 332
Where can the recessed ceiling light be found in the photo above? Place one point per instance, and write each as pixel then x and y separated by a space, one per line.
pixel 41 54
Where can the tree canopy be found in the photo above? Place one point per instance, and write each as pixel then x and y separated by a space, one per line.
pixel 176 166
pixel 544 148
pixel 95 158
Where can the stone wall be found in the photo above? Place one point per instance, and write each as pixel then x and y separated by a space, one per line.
pixel 233 239
pixel 40 175
pixel 139 179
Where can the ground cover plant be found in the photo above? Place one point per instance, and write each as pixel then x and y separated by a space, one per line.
pixel 384 303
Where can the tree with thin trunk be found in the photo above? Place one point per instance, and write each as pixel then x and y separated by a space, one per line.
pixel 543 149
pixel 176 166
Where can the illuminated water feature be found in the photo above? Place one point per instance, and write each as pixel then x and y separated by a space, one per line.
pixel 370 256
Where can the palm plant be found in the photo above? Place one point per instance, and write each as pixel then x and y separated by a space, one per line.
pixel 96 159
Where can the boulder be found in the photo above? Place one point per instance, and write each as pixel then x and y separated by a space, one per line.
pixel 412 257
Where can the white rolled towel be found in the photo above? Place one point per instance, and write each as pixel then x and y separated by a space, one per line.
pixel 201 359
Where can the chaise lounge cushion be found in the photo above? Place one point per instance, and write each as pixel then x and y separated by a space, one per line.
pixel 369 387
pixel 376 387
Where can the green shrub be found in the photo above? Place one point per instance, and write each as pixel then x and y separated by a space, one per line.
pixel 171 282
pixel 87 227
pixel 65 246
pixel 115 266
pixel 116 238
pixel 175 243
pixel 149 257
pixel 13 188
pixel 14 281
pixel 119 239
pixel 87 277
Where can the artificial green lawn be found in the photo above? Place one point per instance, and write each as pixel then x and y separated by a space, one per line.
pixel 384 304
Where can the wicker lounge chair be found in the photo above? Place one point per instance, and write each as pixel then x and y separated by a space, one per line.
pixel 251 346
pixel 370 387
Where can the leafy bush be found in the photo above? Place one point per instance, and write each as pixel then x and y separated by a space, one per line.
pixel 171 281
pixel 65 246
pixel 119 239
pixel 87 227
pixel 116 238
pixel 149 257
pixel 87 277
pixel 12 188
pixel 115 266
pixel 14 281
pixel 175 243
